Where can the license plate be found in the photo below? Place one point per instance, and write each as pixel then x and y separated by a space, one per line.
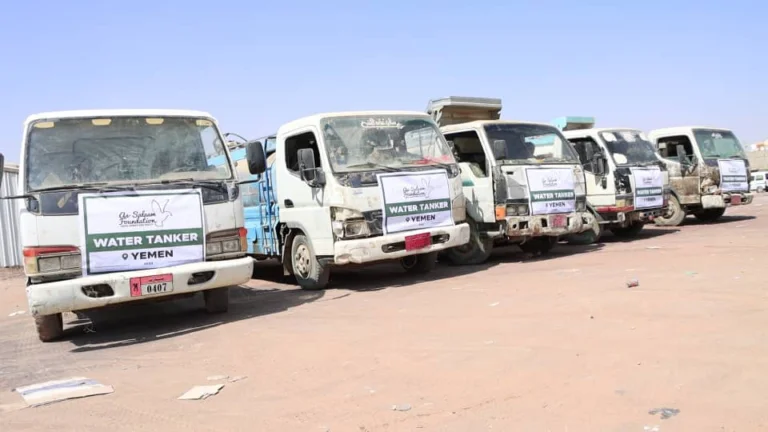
pixel 735 199
pixel 418 241
pixel 559 221
pixel 151 285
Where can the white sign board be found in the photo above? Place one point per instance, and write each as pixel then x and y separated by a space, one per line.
pixel 649 187
pixel 127 231
pixel 551 190
pixel 415 200
pixel 733 175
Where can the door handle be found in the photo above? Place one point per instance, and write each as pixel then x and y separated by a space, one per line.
pixel 288 203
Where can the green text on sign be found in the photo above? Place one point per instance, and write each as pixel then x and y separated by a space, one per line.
pixel 111 242
pixel 567 194
pixel 428 206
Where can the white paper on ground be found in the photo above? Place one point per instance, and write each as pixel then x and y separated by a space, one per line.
pixel 60 390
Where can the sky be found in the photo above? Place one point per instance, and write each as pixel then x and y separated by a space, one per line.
pixel 256 65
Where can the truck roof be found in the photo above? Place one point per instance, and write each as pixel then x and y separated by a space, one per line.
pixel 581 133
pixel 480 123
pixel 117 113
pixel 683 129
pixel 461 109
pixel 315 118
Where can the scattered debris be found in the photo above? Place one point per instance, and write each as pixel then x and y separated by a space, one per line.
pixel 237 378
pixel 653 247
pixel 651 428
pixel 56 391
pixel 217 377
pixel 489 342
pixel 13 314
pixel 633 283
pixel 591 317
pixel 401 407
pixel 494 304
pixel 691 273
pixel 201 392
pixel 665 412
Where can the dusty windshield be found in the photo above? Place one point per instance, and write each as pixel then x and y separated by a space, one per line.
pixel 365 143
pixel 64 152
pixel 531 143
pixel 718 144
pixel 629 147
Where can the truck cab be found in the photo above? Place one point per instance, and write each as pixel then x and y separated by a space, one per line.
pixel 627 183
pixel 354 188
pixel 127 205
pixel 708 171
pixel 523 181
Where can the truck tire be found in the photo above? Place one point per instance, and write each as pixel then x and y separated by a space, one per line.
pixel 709 215
pixel 310 273
pixel 627 232
pixel 419 264
pixel 675 214
pixel 589 236
pixel 475 252
pixel 216 300
pixel 539 245
pixel 49 327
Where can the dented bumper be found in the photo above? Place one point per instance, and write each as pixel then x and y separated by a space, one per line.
pixel 726 199
pixel 70 295
pixel 393 246
pixel 548 225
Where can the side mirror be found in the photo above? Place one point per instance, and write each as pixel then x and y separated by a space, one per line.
pixel 681 157
pixel 308 168
pixel 499 149
pixel 254 154
pixel 2 165
pixel 598 164
pixel 589 153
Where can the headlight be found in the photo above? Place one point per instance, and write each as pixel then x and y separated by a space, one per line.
pixel 49 259
pixel 459 209
pixel 581 206
pixel 517 209
pixel 621 203
pixel 348 223
pixel 213 248
pixel 710 189
pixel 226 242
pixel 51 264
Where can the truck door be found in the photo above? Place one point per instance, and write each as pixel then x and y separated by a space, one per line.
pixel 684 180
pixel 476 177
pixel 301 205
pixel 601 190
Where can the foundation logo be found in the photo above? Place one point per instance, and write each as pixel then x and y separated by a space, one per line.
pixel 733 169
pixel 549 180
pixel 143 218
pixel 647 181
pixel 418 192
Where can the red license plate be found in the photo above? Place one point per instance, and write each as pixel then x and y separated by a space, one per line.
pixel 735 199
pixel 559 221
pixel 418 241
pixel 149 285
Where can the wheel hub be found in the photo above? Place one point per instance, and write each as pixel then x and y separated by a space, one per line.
pixel 301 259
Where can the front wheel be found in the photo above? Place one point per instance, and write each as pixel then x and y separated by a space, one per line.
pixel 49 327
pixel 310 273
pixel 419 264
pixel 709 215
pixel 630 231
pixel 476 251
pixel 539 245
pixel 675 214
pixel 216 300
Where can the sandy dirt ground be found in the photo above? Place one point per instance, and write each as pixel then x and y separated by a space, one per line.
pixel 555 344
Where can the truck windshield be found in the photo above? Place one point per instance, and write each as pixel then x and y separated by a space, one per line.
pixel 718 144
pixel 78 151
pixel 532 143
pixel 629 147
pixel 365 143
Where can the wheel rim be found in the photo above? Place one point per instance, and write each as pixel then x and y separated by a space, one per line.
pixel 672 209
pixel 409 261
pixel 301 260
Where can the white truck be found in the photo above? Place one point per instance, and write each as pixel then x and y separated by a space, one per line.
pixel 523 181
pixel 353 187
pixel 708 171
pixel 125 205
pixel 627 183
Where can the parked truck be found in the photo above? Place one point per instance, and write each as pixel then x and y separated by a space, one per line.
pixel 708 171
pixel 627 183
pixel 354 188
pixel 523 181
pixel 125 205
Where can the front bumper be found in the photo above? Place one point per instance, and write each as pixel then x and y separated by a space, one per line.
pixel 726 199
pixel 67 296
pixel 545 225
pixel 392 246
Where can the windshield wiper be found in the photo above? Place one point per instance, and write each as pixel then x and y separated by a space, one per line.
pixel 373 165
pixel 101 186
pixel 207 184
